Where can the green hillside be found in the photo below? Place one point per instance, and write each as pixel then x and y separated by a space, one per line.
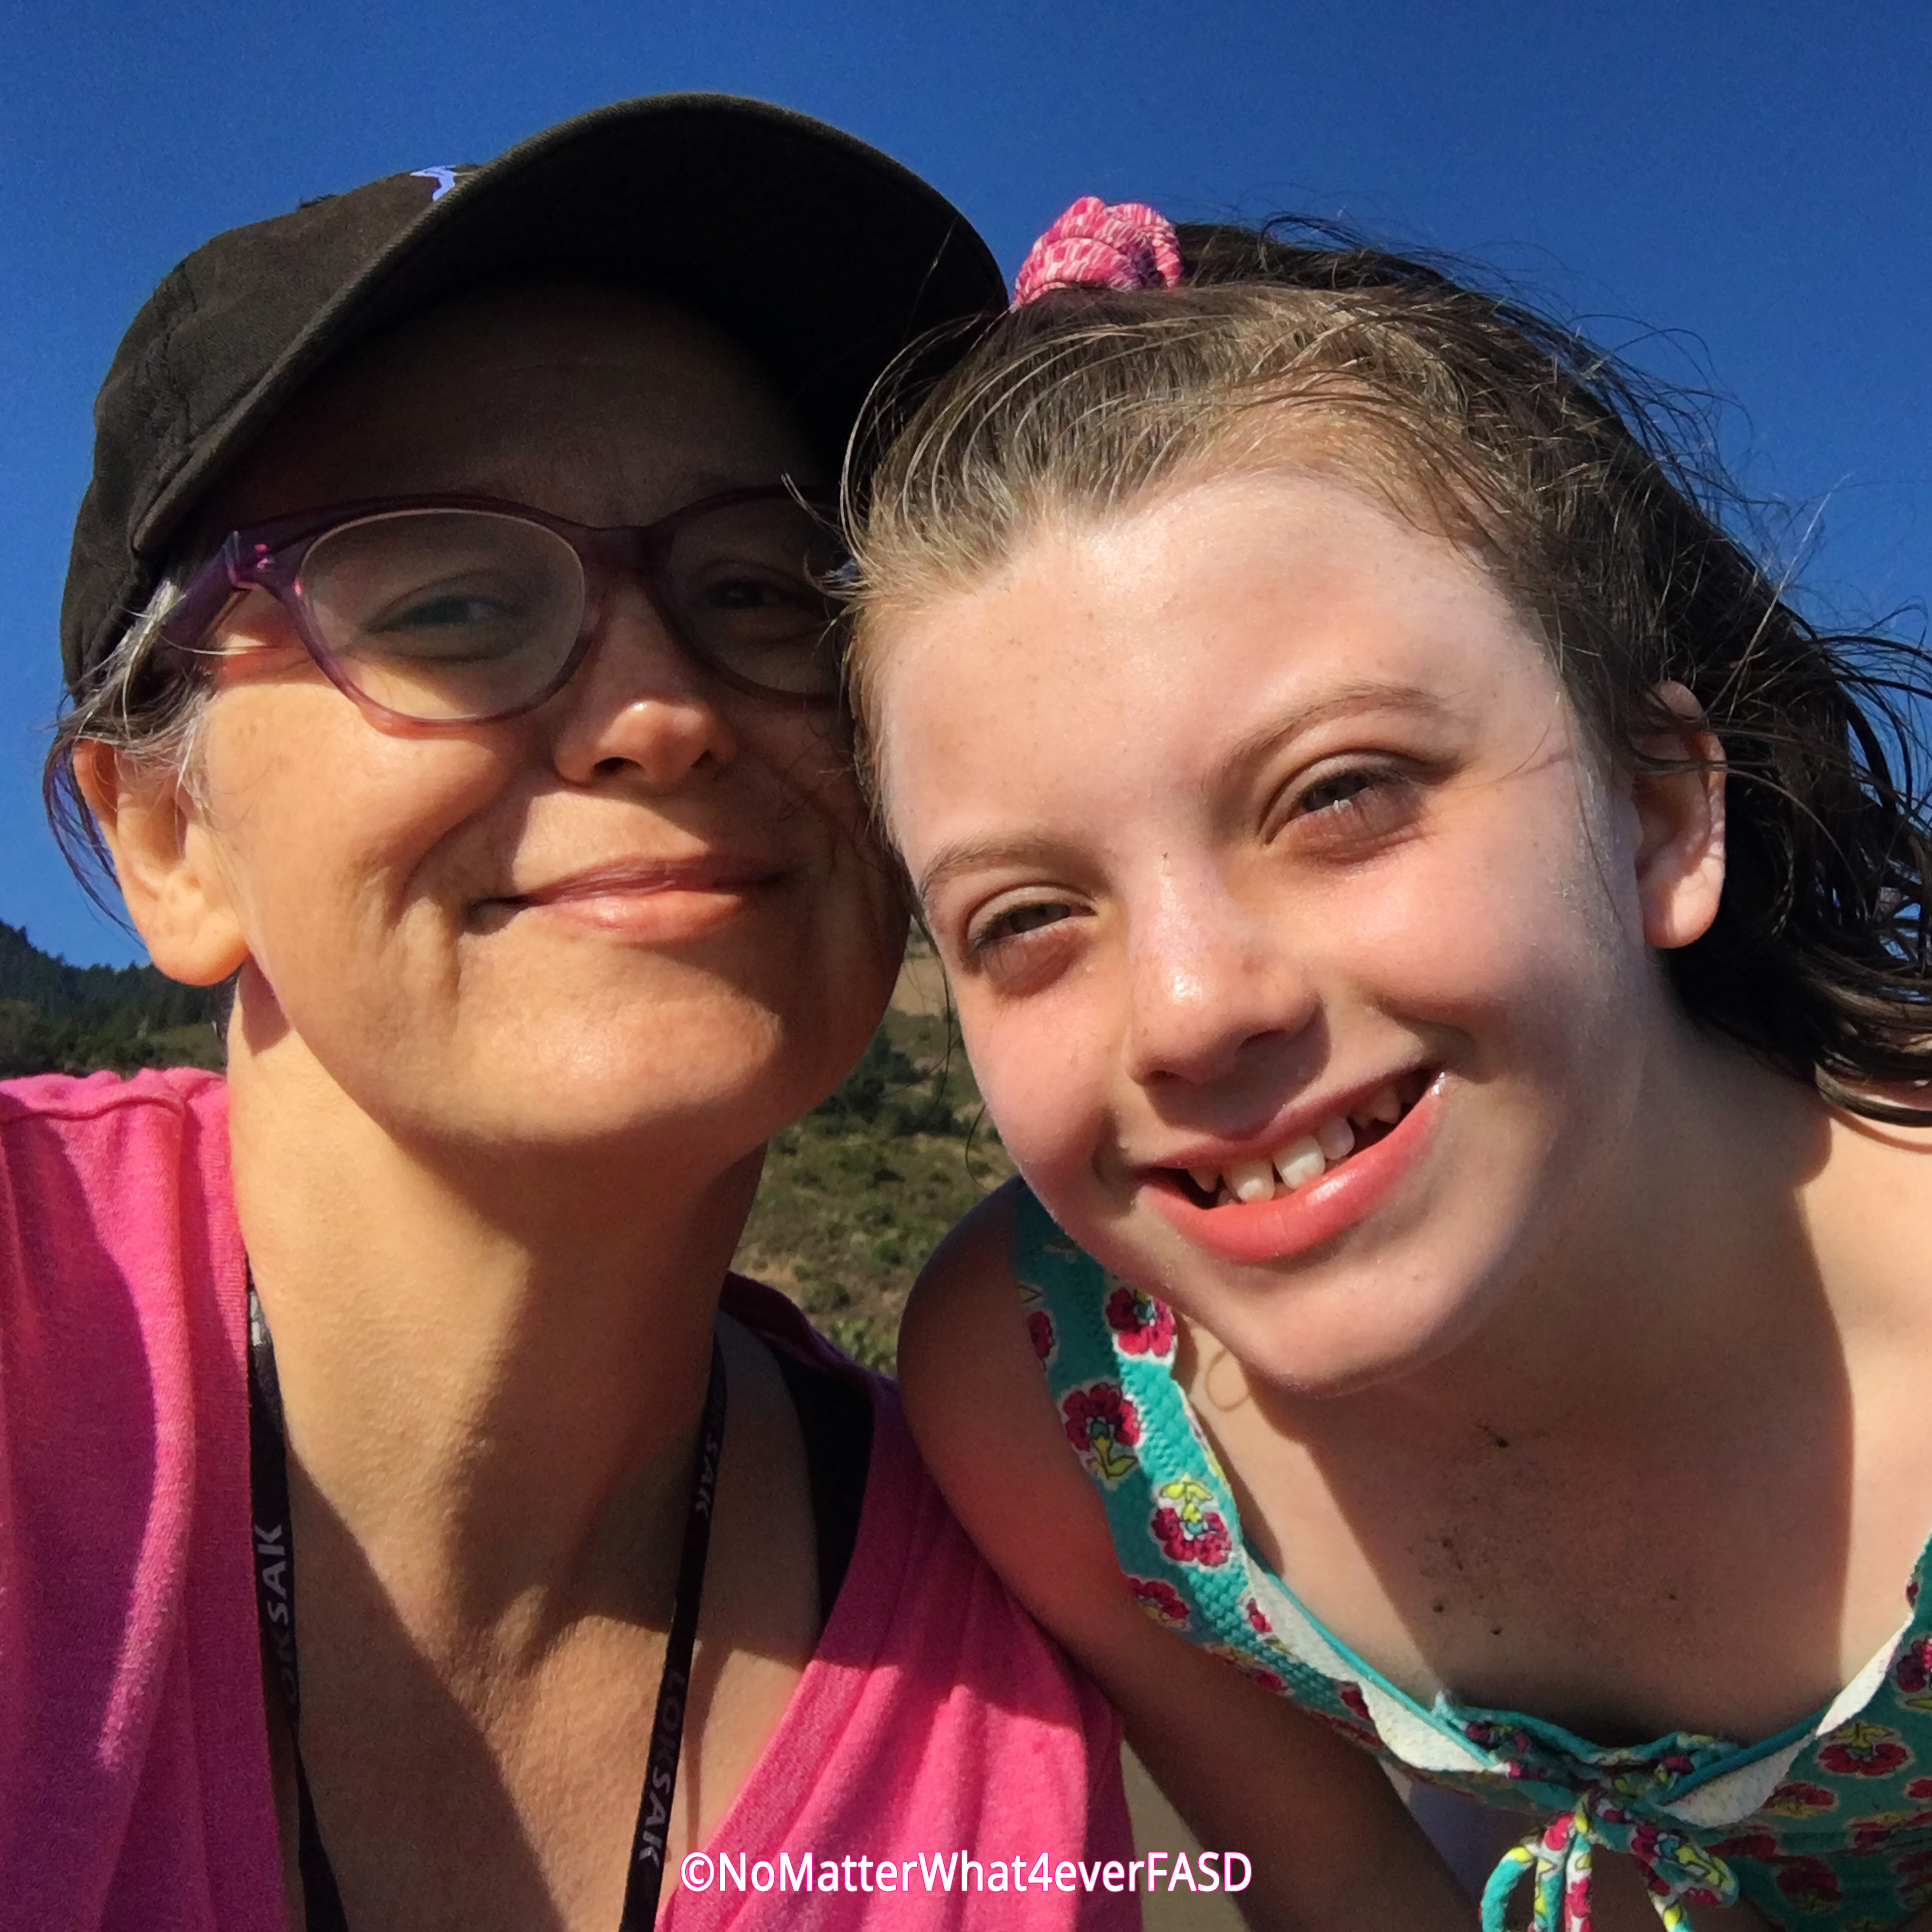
pixel 57 1018
pixel 858 1193
pixel 853 1200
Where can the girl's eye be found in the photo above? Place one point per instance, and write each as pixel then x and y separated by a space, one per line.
pixel 1355 805
pixel 1343 789
pixel 1014 922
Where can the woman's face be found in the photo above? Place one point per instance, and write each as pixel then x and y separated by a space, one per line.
pixel 1258 841
pixel 647 903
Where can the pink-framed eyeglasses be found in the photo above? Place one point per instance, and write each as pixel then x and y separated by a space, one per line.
pixel 466 610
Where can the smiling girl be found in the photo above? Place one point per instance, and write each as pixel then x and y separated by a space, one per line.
pixel 1442 938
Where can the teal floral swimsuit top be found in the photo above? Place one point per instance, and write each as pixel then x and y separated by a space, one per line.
pixel 1828 1824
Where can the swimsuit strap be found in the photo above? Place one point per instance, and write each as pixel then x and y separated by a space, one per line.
pixel 1107 1351
pixel 1558 1861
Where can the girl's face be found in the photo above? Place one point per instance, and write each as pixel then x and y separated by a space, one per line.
pixel 647 905
pixel 1297 935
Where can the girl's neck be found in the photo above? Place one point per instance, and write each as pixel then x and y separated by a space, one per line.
pixel 492 1368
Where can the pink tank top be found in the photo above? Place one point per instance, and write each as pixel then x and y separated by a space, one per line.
pixel 935 1733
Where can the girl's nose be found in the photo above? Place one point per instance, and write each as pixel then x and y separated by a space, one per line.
pixel 639 705
pixel 1213 985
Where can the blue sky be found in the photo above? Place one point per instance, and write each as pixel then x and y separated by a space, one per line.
pixel 1740 191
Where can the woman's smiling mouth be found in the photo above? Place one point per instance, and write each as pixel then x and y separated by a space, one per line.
pixel 647 899
pixel 1318 1184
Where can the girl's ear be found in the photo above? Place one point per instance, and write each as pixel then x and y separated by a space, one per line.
pixel 165 864
pixel 1680 824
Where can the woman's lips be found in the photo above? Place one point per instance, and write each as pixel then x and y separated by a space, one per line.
pixel 656 900
pixel 1293 1224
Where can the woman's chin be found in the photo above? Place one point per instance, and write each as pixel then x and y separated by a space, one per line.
pixel 673 1112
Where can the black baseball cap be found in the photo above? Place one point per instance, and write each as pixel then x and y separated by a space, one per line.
pixel 817 254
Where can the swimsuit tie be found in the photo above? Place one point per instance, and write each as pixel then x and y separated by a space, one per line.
pixel 1677 1870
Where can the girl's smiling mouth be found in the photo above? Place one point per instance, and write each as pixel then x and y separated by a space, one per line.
pixel 1317 1185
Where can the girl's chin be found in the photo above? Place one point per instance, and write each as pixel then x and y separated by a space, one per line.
pixel 1326 1325
pixel 1322 1353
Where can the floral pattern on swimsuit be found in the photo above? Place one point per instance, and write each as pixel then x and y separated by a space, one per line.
pixel 1827 1825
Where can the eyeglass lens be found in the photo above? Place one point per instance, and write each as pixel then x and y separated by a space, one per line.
pixel 442 615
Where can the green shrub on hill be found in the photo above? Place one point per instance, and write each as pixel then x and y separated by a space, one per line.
pixel 857 1195
pixel 57 1018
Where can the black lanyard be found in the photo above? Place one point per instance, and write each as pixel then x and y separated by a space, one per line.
pixel 275 1604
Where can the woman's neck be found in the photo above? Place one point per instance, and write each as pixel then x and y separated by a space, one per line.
pixel 492 1368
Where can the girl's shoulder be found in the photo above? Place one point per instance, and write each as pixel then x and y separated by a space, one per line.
pixel 966 1285
pixel 987 1424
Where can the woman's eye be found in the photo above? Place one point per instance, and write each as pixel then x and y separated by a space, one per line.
pixel 741 593
pixel 755 590
pixel 446 613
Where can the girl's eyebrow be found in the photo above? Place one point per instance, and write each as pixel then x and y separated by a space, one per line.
pixel 964 855
pixel 1370 694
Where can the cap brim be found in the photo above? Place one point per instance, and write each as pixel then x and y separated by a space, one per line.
pixel 820 256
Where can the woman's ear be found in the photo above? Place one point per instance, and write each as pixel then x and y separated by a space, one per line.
pixel 164 863
pixel 1679 803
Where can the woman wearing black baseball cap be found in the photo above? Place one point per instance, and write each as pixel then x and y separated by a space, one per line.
pixel 450 668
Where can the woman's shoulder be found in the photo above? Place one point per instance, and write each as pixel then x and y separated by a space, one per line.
pixel 935 1712
pixel 105 1173
pixel 124 1490
pixel 780 1323
pixel 911 1564
pixel 120 1258
pixel 116 1209
pixel 157 1100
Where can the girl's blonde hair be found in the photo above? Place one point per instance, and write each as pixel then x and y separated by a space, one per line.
pixel 1567 479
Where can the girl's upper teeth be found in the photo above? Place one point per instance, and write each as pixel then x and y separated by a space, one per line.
pixel 1252 1180
pixel 1300 1163
pixel 1303 1160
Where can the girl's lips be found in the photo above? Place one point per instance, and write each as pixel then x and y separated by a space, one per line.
pixel 1293 1224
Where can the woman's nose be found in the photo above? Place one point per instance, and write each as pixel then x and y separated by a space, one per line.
pixel 639 704
pixel 1214 984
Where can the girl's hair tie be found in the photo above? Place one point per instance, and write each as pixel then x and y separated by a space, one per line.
pixel 1095 246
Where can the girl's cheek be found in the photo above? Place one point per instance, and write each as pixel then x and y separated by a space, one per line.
pixel 1039 1080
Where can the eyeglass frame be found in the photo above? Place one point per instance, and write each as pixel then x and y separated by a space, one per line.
pixel 269 556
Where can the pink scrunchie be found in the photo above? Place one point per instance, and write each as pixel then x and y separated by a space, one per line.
pixel 1095 246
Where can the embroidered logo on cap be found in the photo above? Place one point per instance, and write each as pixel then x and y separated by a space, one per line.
pixel 444 178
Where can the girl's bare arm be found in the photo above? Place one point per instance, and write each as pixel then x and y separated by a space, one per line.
pixel 1330 1842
